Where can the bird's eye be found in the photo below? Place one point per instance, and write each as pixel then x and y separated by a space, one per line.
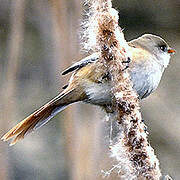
pixel 163 48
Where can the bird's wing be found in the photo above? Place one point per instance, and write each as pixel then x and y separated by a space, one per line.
pixel 87 60
pixel 78 65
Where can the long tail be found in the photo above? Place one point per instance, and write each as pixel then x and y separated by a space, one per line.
pixel 41 116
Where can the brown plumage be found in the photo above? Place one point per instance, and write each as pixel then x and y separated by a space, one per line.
pixel 73 92
pixel 40 117
pixel 90 82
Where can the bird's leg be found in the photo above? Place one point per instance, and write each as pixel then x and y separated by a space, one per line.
pixel 125 68
pixel 106 76
pixel 126 62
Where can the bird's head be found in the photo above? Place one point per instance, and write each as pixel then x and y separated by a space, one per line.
pixel 157 47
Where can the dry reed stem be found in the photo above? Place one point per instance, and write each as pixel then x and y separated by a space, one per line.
pixel 130 147
pixel 63 55
pixel 65 16
pixel 14 52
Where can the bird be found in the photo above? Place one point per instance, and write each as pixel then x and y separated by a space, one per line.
pixel 90 82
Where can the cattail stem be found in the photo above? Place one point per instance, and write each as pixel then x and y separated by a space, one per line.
pixel 130 147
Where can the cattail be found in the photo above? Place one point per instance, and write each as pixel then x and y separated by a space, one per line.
pixel 130 147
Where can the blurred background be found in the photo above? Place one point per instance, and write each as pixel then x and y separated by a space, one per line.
pixel 39 39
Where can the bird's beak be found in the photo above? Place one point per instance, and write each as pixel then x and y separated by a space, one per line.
pixel 170 51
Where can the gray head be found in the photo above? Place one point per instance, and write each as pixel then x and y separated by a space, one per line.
pixel 156 46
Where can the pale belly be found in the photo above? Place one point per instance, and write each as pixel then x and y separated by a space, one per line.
pixel 143 83
pixel 98 93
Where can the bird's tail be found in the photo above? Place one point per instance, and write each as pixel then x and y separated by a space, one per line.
pixel 41 116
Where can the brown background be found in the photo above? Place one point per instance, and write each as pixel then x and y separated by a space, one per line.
pixel 38 39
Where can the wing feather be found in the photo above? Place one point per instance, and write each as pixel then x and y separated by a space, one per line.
pixel 78 65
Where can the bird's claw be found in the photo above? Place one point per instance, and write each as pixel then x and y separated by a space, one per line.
pixel 125 68
pixel 127 61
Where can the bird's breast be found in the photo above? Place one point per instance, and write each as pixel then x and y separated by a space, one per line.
pixel 145 78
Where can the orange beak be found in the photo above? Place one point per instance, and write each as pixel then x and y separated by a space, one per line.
pixel 171 51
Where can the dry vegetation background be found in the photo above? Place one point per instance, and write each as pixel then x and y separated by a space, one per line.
pixel 38 39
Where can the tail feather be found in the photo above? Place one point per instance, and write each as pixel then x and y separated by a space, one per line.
pixel 38 118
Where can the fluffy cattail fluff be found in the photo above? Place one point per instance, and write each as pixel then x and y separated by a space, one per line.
pixel 130 147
